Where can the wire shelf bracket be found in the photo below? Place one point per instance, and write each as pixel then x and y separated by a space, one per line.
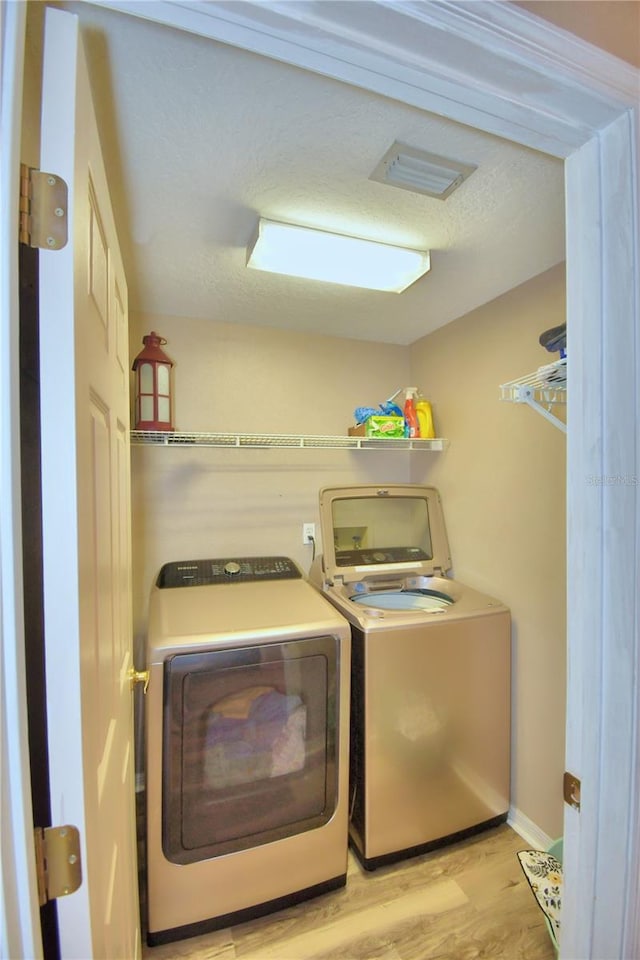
pixel 540 390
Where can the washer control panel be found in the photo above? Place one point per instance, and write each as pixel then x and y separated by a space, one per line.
pixel 200 573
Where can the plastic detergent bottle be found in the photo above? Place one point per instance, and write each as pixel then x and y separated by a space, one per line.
pixel 425 418
pixel 411 426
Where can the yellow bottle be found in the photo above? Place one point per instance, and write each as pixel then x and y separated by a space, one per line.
pixel 425 419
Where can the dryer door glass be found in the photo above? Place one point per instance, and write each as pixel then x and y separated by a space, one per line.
pixel 249 753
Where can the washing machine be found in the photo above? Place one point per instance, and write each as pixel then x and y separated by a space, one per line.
pixel 247 741
pixel 430 681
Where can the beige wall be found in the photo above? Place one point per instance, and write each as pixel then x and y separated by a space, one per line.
pixel 613 25
pixel 503 487
pixel 208 502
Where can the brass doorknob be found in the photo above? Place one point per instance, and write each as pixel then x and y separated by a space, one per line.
pixel 139 676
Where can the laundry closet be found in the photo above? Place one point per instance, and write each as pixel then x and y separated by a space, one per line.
pixel 500 475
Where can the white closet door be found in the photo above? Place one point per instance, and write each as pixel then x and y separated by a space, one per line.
pixel 86 518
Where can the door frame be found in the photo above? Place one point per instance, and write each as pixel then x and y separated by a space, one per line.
pixel 500 69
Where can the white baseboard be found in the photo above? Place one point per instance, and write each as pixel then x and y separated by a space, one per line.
pixel 528 830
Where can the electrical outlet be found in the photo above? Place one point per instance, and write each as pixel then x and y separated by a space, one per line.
pixel 308 532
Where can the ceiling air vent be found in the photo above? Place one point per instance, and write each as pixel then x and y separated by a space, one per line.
pixel 412 169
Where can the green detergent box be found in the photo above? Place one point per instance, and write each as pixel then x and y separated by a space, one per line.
pixel 379 427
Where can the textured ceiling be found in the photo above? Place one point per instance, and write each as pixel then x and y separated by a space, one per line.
pixel 201 139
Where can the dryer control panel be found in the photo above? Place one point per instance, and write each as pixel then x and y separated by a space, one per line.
pixel 199 573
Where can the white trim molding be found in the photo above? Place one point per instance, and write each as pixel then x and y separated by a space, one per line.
pixel 483 63
pixel 602 846
pixel 528 830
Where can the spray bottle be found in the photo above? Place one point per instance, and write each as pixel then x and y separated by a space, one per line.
pixel 411 427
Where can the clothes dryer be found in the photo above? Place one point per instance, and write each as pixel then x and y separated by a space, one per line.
pixel 430 676
pixel 246 743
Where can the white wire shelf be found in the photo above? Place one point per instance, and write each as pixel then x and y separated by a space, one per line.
pixel 540 390
pixel 258 441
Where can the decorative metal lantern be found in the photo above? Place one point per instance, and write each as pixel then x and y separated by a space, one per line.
pixel 154 405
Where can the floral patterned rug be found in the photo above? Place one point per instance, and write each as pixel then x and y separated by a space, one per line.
pixel 544 873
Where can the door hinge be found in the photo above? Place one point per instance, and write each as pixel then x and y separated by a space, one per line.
pixel 58 865
pixel 571 790
pixel 43 209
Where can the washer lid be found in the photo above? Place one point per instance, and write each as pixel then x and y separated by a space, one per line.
pixel 397 529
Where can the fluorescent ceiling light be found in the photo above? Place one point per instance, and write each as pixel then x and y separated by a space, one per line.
pixel 421 172
pixel 315 255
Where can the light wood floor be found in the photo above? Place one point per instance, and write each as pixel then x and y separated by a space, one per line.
pixel 464 902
